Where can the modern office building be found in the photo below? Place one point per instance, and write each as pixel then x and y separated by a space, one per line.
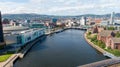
pixel 112 18
pixel 2 42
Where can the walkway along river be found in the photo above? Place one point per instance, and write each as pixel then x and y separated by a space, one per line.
pixel 65 49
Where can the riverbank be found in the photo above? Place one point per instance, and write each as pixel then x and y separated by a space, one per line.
pixel 51 31
pixel 105 53
pixel 66 47
pixel 10 61
pixel 24 50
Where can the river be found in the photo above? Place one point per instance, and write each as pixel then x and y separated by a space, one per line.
pixel 65 49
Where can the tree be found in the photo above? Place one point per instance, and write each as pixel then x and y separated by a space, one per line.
pixel 111 28
pixel 89 33
pixel 117 34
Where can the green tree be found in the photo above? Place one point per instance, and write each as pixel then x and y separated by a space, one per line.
pixel 94 38
pixel 89 33
pixel 111 28
pixel 117 34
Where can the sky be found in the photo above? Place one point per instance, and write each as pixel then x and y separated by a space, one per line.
pixel 59 7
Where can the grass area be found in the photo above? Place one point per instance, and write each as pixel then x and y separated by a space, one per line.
pixel 115 52
pixel 93 39
pixel 4 57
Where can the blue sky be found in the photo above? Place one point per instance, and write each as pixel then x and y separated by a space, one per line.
pixel 60 7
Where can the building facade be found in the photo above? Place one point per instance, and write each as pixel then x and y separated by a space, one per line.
pixel 108 37
pixel 112 18
pixel 83 21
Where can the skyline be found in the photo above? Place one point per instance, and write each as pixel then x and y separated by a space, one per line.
pixel 59 7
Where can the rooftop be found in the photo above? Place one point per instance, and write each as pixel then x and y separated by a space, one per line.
pixel 13 28
pixel 116 40
pixel 106 32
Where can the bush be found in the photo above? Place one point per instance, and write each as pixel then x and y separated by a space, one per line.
pixel 89 33
pixel 97 42
pixel 109 48
pixel 94 38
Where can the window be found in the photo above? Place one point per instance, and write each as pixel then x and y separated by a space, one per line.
pixel 110 42
pixel 116 46
pixel 29 38
pixel 19 39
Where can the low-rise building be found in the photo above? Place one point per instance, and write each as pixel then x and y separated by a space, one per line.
pixel 104 35
pixel 113 43
pixel 97 29
pixel 37 25
pixel 108 37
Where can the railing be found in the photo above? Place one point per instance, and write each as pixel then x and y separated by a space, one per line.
pixel 103 63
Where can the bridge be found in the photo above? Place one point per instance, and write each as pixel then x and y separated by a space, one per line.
pixel 78 28
pixel 104 63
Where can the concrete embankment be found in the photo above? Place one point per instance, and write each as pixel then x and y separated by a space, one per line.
pixel 25 49
pixel 105 53
pixel 21 54
pixel 9 62
pixel 28 46
pixel 55 31
pixel 93 45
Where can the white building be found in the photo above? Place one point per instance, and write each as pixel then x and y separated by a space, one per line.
pixel 83 21
pixel 104 23
pixel 69 23
pixel 117 22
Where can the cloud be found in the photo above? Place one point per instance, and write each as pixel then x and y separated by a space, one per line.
pixel 8 7
pixel 61 7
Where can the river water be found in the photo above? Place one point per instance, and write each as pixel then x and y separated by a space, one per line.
pixel 65 49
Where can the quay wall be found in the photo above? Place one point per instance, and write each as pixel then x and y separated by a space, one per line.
pixel 25 50
pixel 21 54
pixel 105 53
pixel 93 45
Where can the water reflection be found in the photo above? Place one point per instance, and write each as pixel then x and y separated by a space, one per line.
pixel 65 49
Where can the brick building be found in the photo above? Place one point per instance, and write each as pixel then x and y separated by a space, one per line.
pixel 113 43
pixel 97 29
pixel 108 37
